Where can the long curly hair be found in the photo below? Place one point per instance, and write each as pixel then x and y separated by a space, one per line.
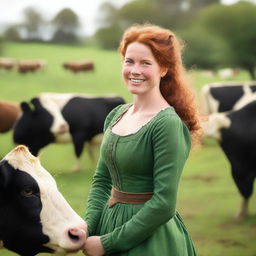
pixel 167 49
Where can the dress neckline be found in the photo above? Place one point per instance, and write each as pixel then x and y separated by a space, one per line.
pixel 141 128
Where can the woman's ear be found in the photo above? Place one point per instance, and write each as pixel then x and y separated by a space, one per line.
pixel 163 71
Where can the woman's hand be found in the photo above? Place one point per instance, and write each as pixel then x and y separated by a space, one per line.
pixel 93 246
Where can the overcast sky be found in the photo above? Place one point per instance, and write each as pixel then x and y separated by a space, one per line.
pixel 11 11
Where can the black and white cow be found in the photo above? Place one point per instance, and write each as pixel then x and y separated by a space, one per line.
pixel 226 96
pixel 236 134
pixel 62 118
pixel 34 216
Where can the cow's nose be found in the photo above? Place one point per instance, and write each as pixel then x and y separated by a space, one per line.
pixel 63 128
pixel 77 235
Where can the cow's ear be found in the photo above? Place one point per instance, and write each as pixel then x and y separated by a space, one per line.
pixel 36 103
pixel 25 107
pixel 5 175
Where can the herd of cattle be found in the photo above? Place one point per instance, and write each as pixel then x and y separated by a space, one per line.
pixel 25 66
pixel 78 118
pixel 57 118
pixel 34 216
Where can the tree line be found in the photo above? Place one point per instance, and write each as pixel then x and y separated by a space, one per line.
pixel 63 28
pixel 215 35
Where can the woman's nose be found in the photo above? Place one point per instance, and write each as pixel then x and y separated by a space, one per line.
pixel 135 70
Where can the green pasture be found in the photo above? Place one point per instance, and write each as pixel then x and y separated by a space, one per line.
pixel 208 198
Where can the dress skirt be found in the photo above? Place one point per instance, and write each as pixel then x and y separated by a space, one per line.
pixel 170 239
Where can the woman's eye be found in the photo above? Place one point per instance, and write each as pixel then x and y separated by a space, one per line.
pixel 27 192
pixel 128 61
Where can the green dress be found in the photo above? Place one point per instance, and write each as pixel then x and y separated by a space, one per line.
pixel 150 159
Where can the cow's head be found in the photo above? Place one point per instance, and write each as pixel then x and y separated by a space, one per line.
pixel 34 216
pixel 33 127
pixel 54 102
pixel 215 123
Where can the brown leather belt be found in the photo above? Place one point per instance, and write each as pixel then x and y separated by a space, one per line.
pixel 118 196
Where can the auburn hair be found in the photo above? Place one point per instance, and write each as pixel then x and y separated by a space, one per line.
pixel 167 49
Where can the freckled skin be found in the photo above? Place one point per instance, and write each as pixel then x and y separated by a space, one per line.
pixel 140 64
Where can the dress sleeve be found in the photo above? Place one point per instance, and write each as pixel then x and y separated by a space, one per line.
pixel 171 145
pixel 101 186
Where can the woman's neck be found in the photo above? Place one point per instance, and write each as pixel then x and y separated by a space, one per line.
pixel 149 103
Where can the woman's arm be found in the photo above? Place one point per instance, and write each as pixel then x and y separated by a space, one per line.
pixel 101 186
pixel 98 197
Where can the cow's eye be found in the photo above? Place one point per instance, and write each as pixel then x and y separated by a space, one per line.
pixel 27 192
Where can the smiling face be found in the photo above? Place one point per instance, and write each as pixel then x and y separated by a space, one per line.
pixel 141 72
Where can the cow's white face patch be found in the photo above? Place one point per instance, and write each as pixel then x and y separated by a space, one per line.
pixel 57 217
pixel 59 124
pixel 216 121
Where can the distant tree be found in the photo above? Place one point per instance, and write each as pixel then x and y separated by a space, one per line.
pixel 115 21
pixel 66 24
pixel 109 37
pixel 33 21
pixel 63 37
pixel 107 15
pixel 1 45
pixel 173 14
pixel 236 24
pixel 203 50
pixel 199 4
pixel 12 33
pixel 66 20
pixel 139 11
pixel 179 13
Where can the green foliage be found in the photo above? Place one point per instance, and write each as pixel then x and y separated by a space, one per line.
pixel 208 198
pixel 62 37
pixel 66 20
pixel 108 15
pixel 203 49
pixel 33 20
pixel 1 45
pixel 66 24
pixel 109 37
pixel 139 12
pixel 12 33
pixel 236 24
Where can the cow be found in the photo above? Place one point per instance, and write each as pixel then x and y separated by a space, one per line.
pixel 25 66
pixel 34 216
pixel 62 118
pixel 9 113
pixel 78 66
pixel 236 133
pixel 228 73
pixel 7 63
pixel 226 96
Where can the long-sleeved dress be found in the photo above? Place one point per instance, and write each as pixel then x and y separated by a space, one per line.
pixel 149 160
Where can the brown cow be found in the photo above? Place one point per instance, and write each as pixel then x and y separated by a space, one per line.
pixel 9 112
pixel 25 66
pixel 77 66
pixel 7 63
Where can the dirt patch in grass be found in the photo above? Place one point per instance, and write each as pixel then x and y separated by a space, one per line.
pixel 203 177
pixel 230 242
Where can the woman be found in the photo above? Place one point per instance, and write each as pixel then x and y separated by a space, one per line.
pixel 132 203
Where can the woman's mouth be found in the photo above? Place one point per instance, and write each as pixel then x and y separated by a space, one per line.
pixel 136 80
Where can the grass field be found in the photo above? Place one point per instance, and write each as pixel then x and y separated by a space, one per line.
pixel 208 198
